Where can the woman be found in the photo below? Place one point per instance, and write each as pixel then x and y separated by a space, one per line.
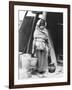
pixel 41 46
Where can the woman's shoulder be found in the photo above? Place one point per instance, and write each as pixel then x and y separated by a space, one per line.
pixel 45 30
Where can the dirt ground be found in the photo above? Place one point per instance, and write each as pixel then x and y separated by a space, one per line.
pixel 57 73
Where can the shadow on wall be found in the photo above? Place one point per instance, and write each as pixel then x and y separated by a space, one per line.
pixel 24 33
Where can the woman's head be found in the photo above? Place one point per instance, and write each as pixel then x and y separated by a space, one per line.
pixel 41 24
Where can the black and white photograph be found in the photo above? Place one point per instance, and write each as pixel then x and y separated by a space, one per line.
pixel 40 44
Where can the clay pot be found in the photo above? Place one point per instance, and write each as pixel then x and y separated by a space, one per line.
pixel 51 68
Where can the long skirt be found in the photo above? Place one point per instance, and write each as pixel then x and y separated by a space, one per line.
pixel 42 64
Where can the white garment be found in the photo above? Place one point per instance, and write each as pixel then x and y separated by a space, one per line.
pixel 41 33
pixel 39 38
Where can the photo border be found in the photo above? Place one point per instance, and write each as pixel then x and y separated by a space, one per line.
pixel 11 44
